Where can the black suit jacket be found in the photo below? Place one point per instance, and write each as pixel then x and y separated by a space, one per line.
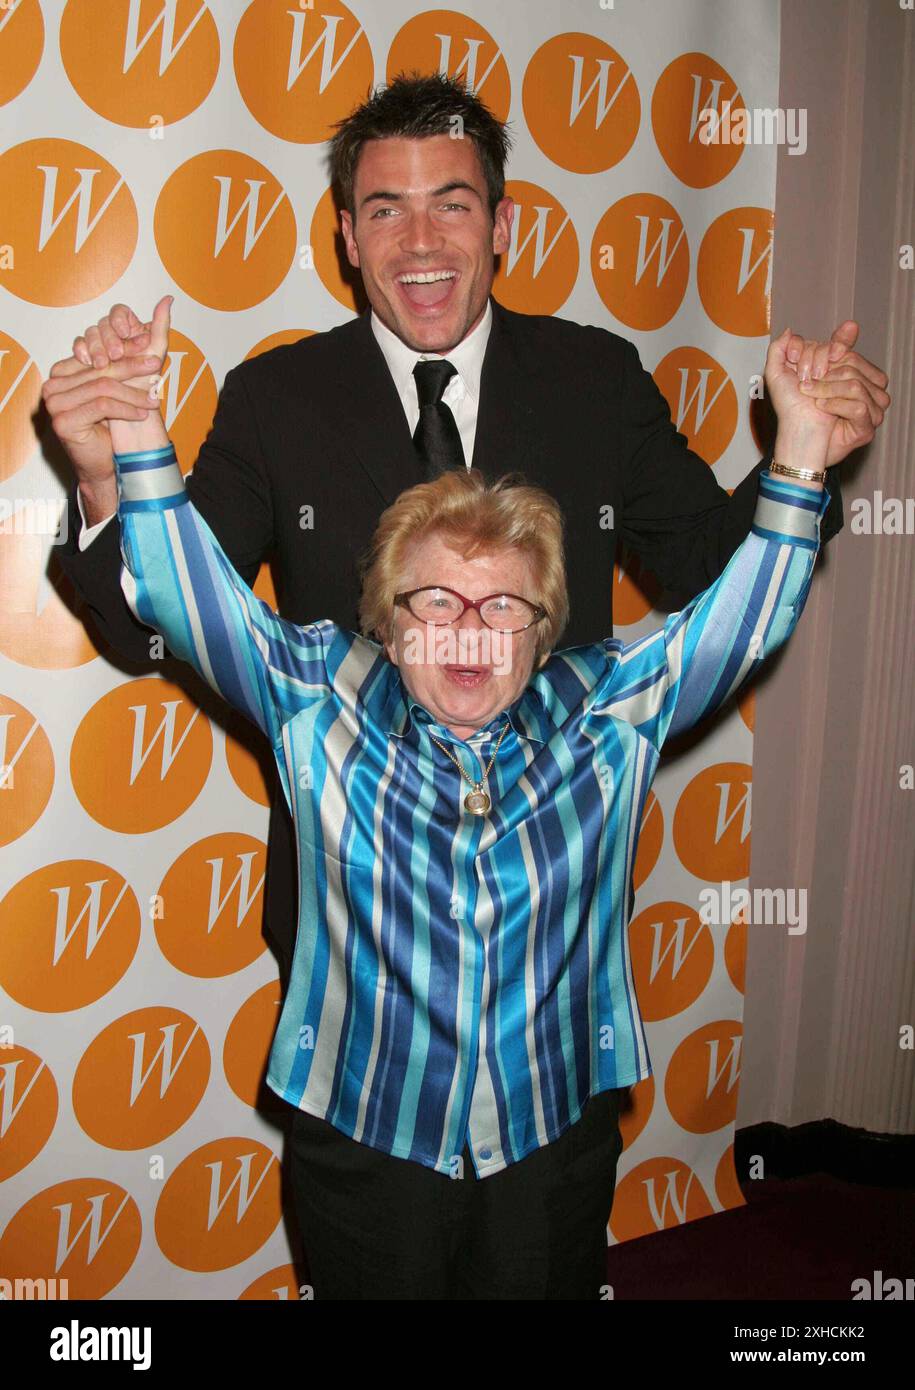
pixel 319 424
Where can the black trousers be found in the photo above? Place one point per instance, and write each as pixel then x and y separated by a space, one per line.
pixel 378 1227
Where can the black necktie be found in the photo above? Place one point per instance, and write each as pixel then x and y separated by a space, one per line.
pixel 436 438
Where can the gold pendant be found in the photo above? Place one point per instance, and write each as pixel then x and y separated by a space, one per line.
pixel 477 802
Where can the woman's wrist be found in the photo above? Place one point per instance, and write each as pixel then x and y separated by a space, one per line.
pixel 129 436
pixel 803 449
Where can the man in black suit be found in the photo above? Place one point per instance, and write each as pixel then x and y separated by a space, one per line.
pixel 341 423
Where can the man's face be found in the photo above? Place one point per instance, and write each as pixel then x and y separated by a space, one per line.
pixel 421 210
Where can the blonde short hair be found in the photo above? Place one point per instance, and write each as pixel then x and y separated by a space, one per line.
pixel 472 516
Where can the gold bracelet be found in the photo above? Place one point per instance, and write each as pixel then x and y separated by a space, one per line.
pixel 808 475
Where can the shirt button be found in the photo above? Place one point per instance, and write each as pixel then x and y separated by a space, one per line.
pixel 485 1154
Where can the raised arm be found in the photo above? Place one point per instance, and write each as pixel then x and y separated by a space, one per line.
pixel 673 678
pixel 676 516
pixel 178 580
pixel 228 485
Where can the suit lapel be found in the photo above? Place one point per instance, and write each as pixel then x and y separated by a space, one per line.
pixel 371 416
pixel 506 432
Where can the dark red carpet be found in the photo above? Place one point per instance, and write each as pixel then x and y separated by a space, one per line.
pixel 801 1238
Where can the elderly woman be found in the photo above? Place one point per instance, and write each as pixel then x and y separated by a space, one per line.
pixel 467 803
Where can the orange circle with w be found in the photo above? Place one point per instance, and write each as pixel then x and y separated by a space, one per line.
pixel 734 271
pixel 20 396
pixel 26 770
pixel 657 1195
pixel 712 823
pixel 692 84
pixel 141 1078
pixel 225 229
pixel 537 273
pixel 71 218
pixel 21 47
pixel 84 1230
pixel 455 45
pixel 248 1040
pixel 702 1080
pixel 301 67
pixel 28 1093
pixel 702 399
pixel 640 260
pixel 581 103
pixel 221 1204
pixel 212 901
pixel 140 65
pixel 672 954
pixel 140 756
pixel 68 932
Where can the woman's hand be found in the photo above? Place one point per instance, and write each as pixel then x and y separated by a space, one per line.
pixel 149 433
pixel 828 399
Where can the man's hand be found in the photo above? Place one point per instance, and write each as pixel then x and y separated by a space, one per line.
pixel 826 391
pixel 81 398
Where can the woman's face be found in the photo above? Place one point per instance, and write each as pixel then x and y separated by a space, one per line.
pixel 463 673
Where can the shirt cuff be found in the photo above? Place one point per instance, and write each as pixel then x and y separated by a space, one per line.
pixel 87 534
pixel 788 513
pixel 149 480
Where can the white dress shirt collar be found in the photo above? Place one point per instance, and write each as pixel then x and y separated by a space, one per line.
pixel 467 355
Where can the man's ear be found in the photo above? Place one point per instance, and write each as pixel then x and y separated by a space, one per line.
pixel 502 226
pixel 349 238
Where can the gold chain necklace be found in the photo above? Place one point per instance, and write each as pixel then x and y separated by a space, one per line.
pixel 476 801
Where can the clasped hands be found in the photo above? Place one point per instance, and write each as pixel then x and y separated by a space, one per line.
pixel 819 387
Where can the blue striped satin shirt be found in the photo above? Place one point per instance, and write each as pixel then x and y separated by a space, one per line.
pixel 458 977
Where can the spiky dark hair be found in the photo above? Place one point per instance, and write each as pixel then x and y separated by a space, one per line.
pixel 416 105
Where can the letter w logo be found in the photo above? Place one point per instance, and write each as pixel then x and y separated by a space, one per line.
pixel 165 1052
pixel 660 250
pixel 242 880
pixel 97 1236
pixel 91 909
pixel 578 98
pixel 697 401
pixel 537 231
pixel 9 1105
pixel 677 946
pixel 170 750
pixel 467 67
pixel 242 1181
pixel 134 45
pixel 82 195
pixel 327 42
pixel 225 228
